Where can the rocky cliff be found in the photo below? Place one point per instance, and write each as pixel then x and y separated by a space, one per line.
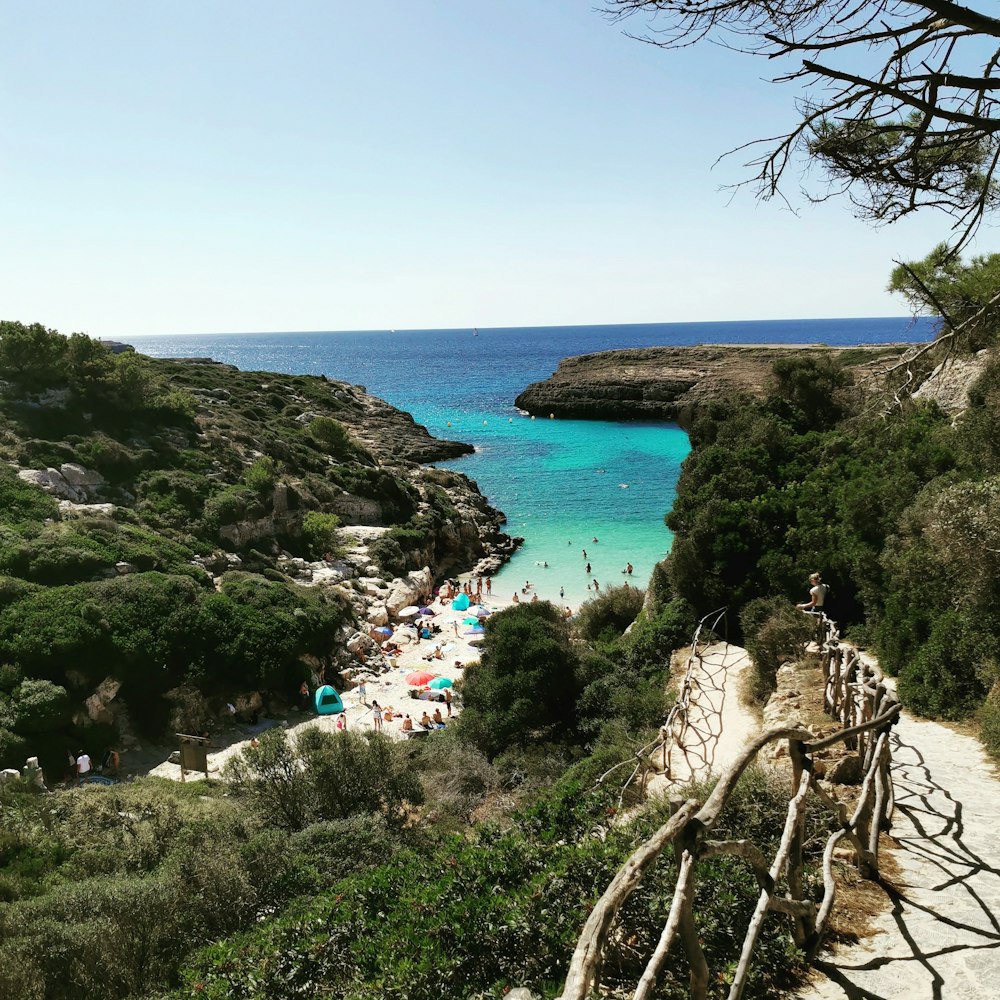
pixel 671 383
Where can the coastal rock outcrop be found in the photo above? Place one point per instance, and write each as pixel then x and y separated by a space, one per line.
pixel 671 383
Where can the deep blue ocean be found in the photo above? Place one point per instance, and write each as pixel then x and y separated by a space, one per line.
pixel 562 483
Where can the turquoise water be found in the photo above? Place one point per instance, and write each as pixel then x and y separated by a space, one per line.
pixel 559 481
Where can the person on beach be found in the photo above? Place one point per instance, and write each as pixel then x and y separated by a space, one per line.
pixel 587 570
pixel 376 716
pixel 628 568
pixel 447 700
pixel 362 693
pixel 438 719
pixel 489 585
pixel 83 767
pixel 304 695
pixel 425 720
pixel 515 599
pixel 534 598
pixel 817 595
pixel 597 587
pixel 407 725
pixel 562 593
pixel 342 722
pixel 584 553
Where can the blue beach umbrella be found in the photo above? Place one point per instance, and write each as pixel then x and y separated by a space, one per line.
pixel 471 620
pixel 440 682
pixel 475 630
pixel 383 630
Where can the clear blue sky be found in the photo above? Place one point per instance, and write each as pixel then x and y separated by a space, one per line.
pixel 199 166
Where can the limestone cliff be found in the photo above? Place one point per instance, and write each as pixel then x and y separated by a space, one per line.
pixel 671 383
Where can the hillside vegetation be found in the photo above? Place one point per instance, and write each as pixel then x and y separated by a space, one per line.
pixel 151 516
pixel 895 500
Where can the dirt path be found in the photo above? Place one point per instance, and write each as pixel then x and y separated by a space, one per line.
pixel 719 724
pixel 940 937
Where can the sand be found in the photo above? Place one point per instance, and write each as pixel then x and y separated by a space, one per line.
pixel 389 689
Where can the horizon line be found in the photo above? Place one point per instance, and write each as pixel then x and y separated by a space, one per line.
pixel 502 329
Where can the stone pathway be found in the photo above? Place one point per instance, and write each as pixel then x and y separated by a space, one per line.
pixel 940 937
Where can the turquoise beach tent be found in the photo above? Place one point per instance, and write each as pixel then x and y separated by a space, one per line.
pixel 328 701
pixel 461 603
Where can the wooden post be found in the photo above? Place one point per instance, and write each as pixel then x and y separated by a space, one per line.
pixel 802 927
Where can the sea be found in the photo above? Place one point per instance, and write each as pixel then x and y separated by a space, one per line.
pixel 581 493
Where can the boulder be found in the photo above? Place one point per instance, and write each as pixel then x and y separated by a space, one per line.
pixel 125 567
pixel 68 509
pixel 9 774
pixel 85 480
pixel 411 589
pixel 52 482
pixel 847 771
pixel 378 616
pixel 98 705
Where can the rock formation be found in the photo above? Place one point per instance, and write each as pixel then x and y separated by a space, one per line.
pixel 671 383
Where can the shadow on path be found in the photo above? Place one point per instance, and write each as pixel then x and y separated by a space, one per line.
pixel 940 938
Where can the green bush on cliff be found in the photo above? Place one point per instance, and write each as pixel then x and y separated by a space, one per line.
pixel 20 502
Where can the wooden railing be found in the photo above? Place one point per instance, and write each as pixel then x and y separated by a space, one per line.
pixel 855 695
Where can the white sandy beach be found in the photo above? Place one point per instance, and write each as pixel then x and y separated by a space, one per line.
pixel 389 689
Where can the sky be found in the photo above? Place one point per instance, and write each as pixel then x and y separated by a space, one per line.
pixel 236 166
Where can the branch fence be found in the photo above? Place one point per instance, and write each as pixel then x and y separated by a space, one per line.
pixel 855 695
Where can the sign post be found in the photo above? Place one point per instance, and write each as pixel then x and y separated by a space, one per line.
pixel 194 754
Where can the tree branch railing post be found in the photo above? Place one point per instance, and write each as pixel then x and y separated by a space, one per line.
pixel 854 695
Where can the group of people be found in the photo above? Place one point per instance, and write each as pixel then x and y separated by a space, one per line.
pixel 80 767
pixel 450 589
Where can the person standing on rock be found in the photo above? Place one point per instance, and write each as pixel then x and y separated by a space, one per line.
pixel 817 595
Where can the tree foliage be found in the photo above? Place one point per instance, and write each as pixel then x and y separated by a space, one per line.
pixel 525 685
pixel 899 100
pixel 325 776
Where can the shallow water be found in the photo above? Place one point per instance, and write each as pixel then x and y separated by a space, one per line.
pixel 560 482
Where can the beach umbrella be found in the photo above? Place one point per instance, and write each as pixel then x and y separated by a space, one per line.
pixel 475 630
pixel 383 630
pixel 428 611
pixel 419 678
pixel 406 612
pixel 471 620
pixel 461 603
pixel 479 610
pixel 440 682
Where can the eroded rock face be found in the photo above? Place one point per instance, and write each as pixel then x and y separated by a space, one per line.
pixel 665 383
pixel 948 385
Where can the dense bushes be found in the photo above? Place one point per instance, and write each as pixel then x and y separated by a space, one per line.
pixel 325 776
pixel 525 686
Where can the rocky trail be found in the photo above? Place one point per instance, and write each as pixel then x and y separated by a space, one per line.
pixel 938 935
pixel 939 938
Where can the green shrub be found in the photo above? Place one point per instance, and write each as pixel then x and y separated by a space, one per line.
pixel 39 705
pixel 229 505
pixel 942 680
pixel 525 686
pixel 261 476
pixel 605 617
pixel 774 632
pixel 989 722
pixel 324 776
pixel 320 532
pixel 21 501
pixel 331 435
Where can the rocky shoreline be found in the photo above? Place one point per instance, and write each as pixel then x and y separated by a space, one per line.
pixel 673 383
